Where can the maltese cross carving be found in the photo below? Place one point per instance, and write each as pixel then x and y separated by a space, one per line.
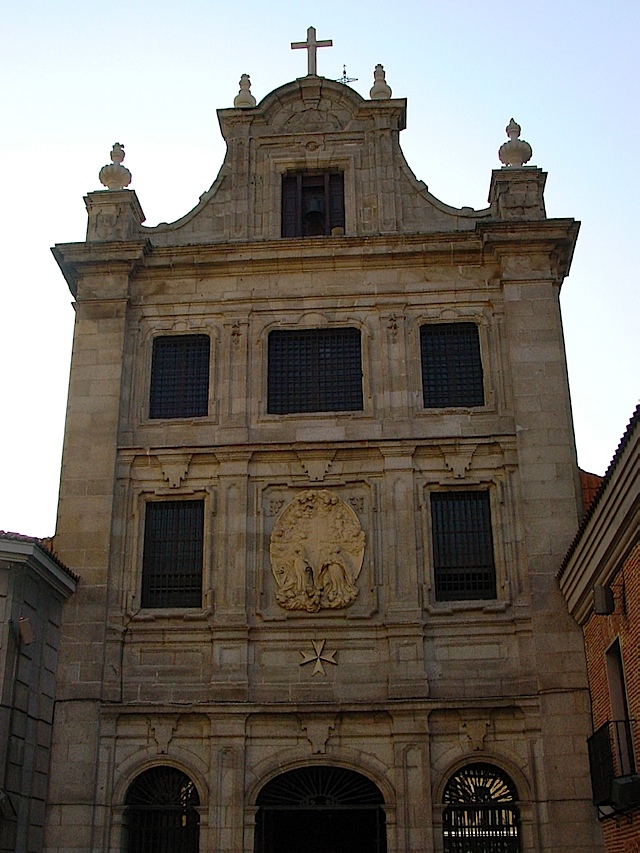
pixel 319 657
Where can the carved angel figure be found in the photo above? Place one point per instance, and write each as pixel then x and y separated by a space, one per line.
pixel 316 549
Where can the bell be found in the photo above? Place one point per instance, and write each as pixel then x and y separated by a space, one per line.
pixel 315 209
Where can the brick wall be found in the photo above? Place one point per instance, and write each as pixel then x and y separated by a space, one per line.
pixel 622 833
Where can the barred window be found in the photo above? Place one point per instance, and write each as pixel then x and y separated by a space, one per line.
pixel 451 365
pixel 480 812
pixel 312 204
pixel 161 814
pixel 172 559
pixel 180 377
pixel 314 370
pixel 462 546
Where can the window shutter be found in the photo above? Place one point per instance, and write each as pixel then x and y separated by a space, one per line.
pixel 291 215
pixel 336 201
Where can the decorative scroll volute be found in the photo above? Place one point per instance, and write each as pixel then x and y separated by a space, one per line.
pixel 316 549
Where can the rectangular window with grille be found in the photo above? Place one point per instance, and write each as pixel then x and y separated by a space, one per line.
pixel 172 558
pixel 312 204
pixel 314 370
pixel 462 546
pixel 180 377
pixel 451 365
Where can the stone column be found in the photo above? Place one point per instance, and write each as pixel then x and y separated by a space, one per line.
pixel 99 278
pixel 532 266
pixel 407 676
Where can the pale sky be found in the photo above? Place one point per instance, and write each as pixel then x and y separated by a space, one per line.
pixel 77 77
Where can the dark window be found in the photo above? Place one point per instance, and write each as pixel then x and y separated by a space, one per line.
pixel 161 813
pixel 451 365
pixel 480 814
pixel 172 560
pixel 312 204
pixel 180 377
pixel 462 546
pixel 314 370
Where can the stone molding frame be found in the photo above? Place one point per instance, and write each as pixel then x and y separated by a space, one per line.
pixel 309 320
pixel 349 759
pixel 525 802
pixel 484 319
pixel 132 564
pixel 128 772
pixel 272 499
pixel 320 158
pixel 317 550
pixel 504 582
pixel 147 331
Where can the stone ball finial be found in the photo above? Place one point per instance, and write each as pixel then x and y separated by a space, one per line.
pixel 516 152
pixel 380 89
pixel 115 176
pixel 244 98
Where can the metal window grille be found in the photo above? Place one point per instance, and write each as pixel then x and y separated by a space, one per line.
pixel 462 546
pixel 314 370
pixel 611 756
pixel 161 814
pixel 172 559
pixel 312 203
pixel 480 814
pixel 180 377
pixel 320 808
pixel 451 365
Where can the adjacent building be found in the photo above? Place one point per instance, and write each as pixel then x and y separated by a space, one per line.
pixel 319 475
pixel 34 584
pixel 600 579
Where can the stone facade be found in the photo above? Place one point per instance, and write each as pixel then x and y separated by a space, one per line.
pixel 600 578
pixel 33 586
pixel 397 684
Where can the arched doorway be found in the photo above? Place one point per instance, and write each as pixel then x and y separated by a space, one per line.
pixel 320 809
pixel 161 814
pixel 481 815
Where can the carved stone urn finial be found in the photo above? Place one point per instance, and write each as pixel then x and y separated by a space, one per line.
pixel 516 152
pixel 115 176
pixel 380 89
pixel 244 98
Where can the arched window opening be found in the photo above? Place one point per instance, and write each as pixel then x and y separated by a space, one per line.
pixel 320 809
pixel 161 813
pixel 480 814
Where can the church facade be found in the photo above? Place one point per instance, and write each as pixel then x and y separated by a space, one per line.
pixel 319 476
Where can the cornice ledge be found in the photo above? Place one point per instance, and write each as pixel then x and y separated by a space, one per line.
pixel 333 251
pixel 77 259
pixel 555 237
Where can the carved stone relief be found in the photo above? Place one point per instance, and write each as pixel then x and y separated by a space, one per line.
pixel 316 550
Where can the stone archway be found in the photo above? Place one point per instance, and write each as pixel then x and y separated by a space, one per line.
pixel 161 813
pixel 320 809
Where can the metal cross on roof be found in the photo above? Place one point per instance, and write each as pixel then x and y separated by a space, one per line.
pixel 344 79
pixel 311 46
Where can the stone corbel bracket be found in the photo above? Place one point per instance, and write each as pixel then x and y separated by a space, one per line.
pixel 459 459
pixel 316 464
pixel 318 730
pixel 175 467
pixel 162 732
